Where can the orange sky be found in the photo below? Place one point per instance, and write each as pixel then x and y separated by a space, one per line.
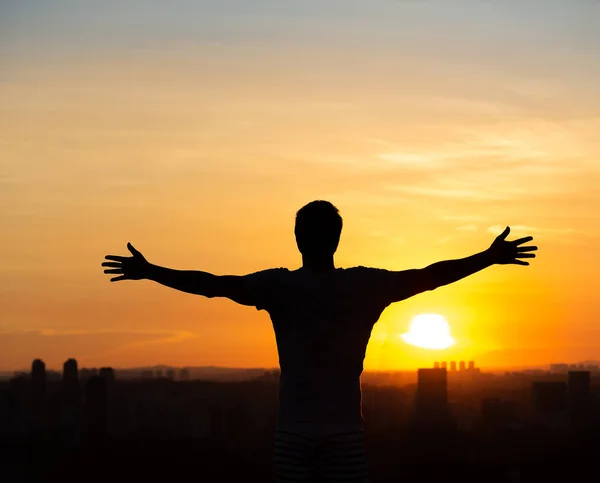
pixel 198 142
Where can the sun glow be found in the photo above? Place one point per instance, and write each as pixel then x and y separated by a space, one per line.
pixel 429 331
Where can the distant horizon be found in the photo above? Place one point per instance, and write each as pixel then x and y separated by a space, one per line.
pixel 265 368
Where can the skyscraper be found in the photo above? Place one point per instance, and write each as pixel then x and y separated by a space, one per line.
pixel 453 366
pixel 70 372
pixel 38 377
pixel 462 366
pixel 431 403
pixel 38 370
pixel 432 394
pixel 38 393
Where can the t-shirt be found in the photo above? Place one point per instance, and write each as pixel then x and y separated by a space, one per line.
pixel 322 324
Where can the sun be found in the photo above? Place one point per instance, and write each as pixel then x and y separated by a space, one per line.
pixel 429 331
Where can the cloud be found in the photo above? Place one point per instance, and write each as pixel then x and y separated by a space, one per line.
pixel 156 336
pixel 458 192
pixel 531 230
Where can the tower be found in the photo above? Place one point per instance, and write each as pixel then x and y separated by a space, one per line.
pixel 70 373
pixel 431 403
pixel 38 378
pixel 38 393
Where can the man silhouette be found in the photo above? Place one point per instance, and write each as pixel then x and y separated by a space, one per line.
pixel 322 317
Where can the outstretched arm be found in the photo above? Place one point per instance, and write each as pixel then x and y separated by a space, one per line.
pixel 501 252
pixel 195 282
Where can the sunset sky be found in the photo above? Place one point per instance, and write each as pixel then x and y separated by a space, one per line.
pixel 195 130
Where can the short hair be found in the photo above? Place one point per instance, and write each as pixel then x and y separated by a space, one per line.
pixel 318 228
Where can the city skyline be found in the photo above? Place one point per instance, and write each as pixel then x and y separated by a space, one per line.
pixel 196 132
pixel 244 373
pixel 542 427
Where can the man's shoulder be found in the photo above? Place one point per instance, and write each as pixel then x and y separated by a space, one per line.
pixel 364 270
pixel 266 275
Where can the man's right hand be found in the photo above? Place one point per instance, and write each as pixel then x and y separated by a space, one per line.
pixel 135 267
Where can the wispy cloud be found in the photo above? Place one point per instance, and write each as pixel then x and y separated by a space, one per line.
pixel 532 230
pixel 458 192
pixel 157 336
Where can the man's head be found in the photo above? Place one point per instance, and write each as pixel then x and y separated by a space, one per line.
pixel 318 229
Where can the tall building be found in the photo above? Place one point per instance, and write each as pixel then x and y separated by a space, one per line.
pixel 38 395
pixel 471 365
pixel 431 402
pixel 38 370
pixel 462 366
pixel 436 365
pixel 453 366
pixel 38 377
pixel 70 372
